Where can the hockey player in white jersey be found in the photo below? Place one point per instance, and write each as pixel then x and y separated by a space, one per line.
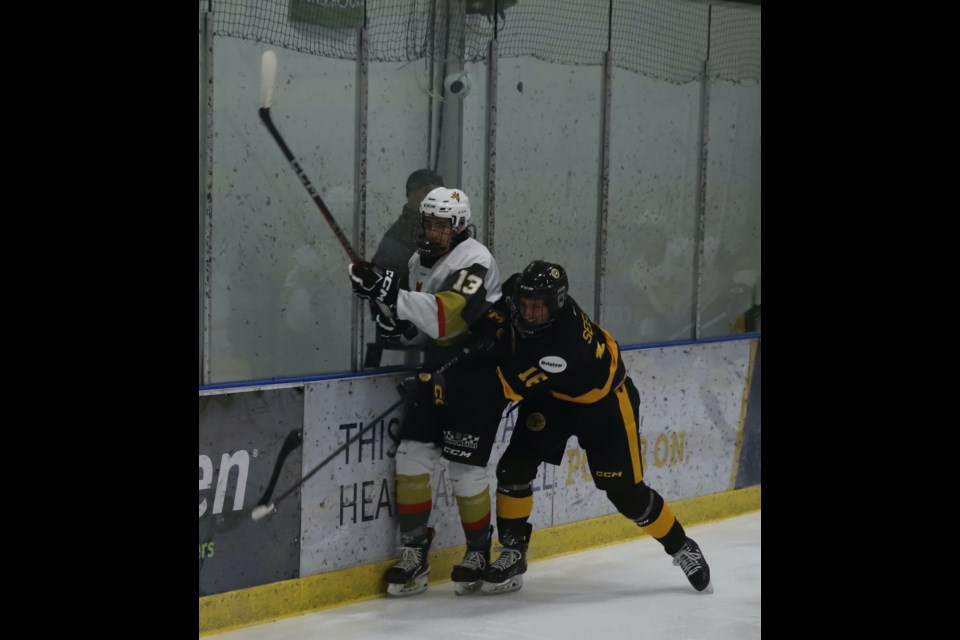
pixel 453 281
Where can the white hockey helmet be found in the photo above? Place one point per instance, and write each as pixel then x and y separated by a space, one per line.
pixel 452 204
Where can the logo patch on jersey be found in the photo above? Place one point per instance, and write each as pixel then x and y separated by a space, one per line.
pixel 553 364
pixel 536 422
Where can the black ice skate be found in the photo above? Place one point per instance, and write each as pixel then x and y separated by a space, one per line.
pixel 505 574
pixel 467 576
pixel 409 576
pixel 694 566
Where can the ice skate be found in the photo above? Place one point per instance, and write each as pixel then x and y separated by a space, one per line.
pixel 694 565
pixel 505 574
pixel 467 576
pixel 409 576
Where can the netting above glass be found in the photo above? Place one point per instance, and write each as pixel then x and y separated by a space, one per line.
pixel 664 39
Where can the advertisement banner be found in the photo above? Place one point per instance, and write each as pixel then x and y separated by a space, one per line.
pixel 690 407
pixel 748 473
pixel 240 437
pixel 349 506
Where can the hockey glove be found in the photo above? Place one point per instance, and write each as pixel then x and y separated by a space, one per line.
pixel 374 309
pixel 487 332
pixel 390 329
pixel 424 389
pixel 483 342
pixel 372 282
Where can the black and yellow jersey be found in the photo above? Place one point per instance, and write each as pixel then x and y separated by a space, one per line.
pixel 573 360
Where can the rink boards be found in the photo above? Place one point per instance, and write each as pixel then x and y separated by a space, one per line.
pixel 329 542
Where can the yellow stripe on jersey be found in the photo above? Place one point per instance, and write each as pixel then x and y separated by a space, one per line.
pixel 450 316
pixel 597 394
pixel 630 424
pixel 508 391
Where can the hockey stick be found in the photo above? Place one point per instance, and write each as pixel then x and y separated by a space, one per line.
pixel 294 439
pixel 268 76
pixel 262 509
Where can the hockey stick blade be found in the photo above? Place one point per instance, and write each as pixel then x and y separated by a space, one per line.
pixel 268 76
pixel 261 510
pixel 293 440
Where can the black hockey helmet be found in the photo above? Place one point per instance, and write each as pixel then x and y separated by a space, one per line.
pixel 540 280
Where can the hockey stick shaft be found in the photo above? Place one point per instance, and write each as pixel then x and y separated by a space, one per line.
pixel 320 465
pixel 317 200
pixel 263 509
pixel 268 74
pixel 292 442
pixel 337 231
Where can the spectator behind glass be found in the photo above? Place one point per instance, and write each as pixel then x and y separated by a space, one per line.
pixel 400 241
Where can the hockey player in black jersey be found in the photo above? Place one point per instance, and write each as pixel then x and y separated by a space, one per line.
pixel 453 281
pixel 567 375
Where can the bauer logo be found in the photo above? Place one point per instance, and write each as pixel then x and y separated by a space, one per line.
pixel 229 481
pixel 553 364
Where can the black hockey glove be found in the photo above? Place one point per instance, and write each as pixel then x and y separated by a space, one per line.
pixel 484 342
pixel 424 389
pixel 372 282
pixel 390 329
pixel 487 332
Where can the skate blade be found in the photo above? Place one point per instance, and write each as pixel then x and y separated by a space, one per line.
pixel 412 588
pixel 466 588
pixel 507 586
pixel 708 588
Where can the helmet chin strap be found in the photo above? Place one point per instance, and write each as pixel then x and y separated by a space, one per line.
pixel 430 252
pixel 525 329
